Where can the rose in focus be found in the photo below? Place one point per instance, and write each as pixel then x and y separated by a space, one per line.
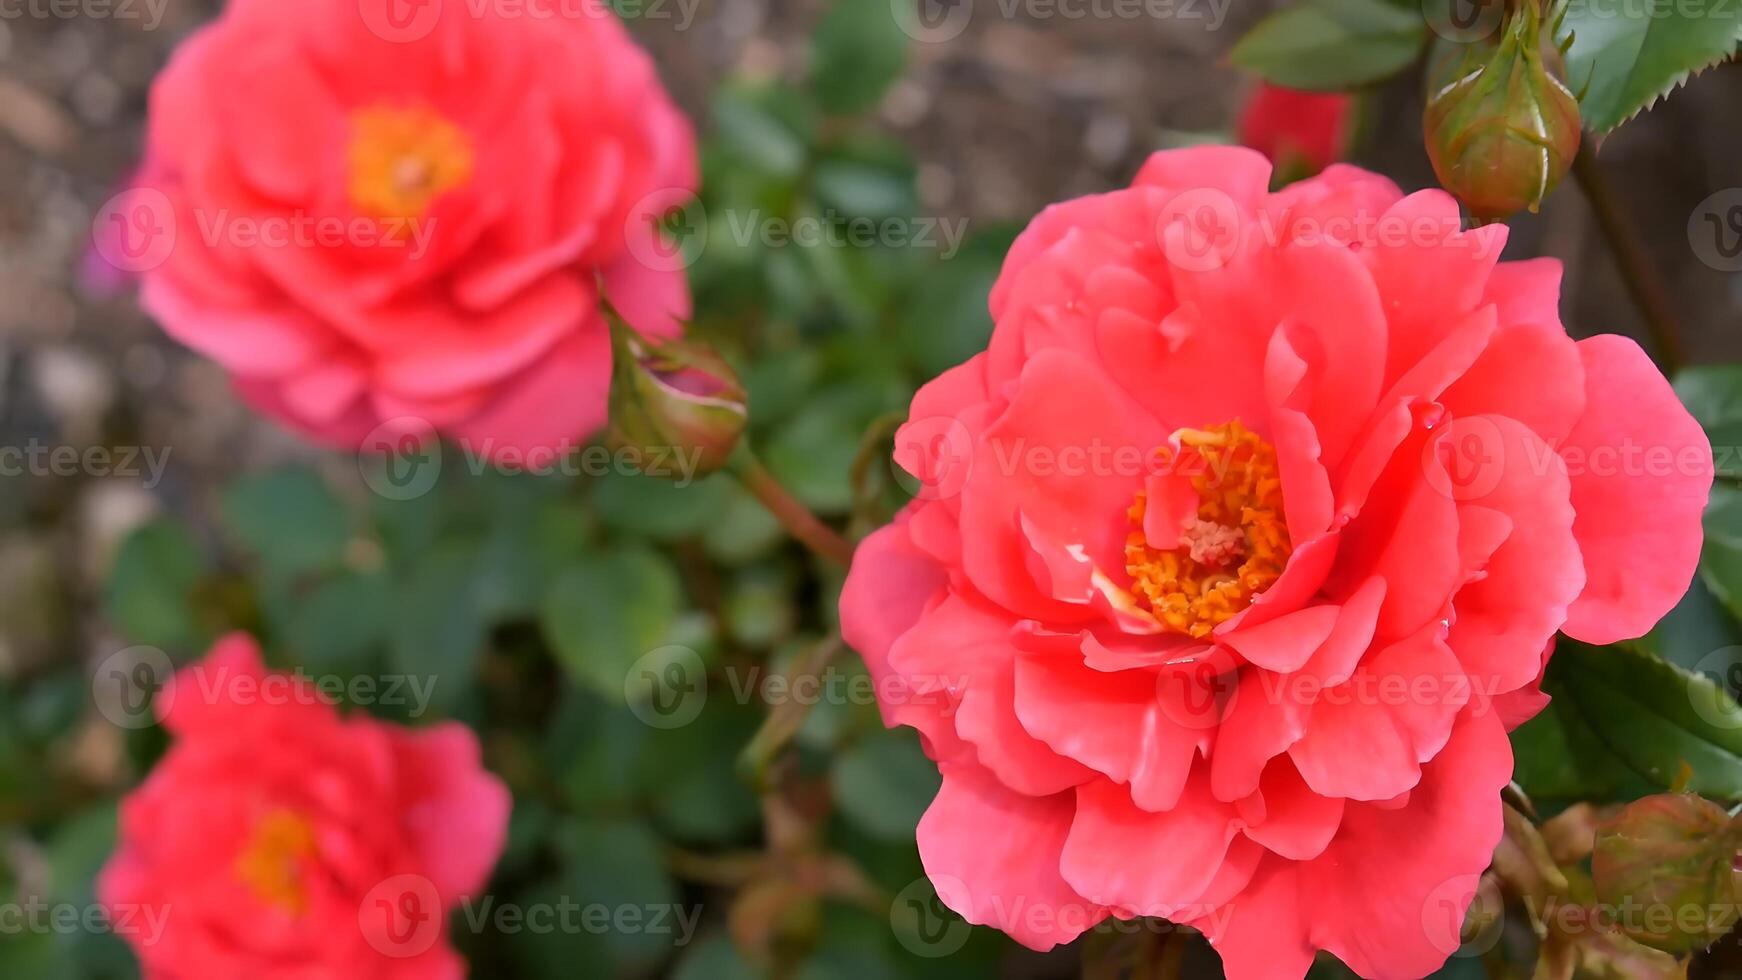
pixel 276 839
pixel 363 224
pixel 1244 544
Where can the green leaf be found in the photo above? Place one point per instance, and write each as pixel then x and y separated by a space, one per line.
pixel 340 621
pixel 151 587
pixel 1332 45
pixel 688 774
pixel 617 865
pixel 658 508
pixel 947 320
pixel 755 131
pixel 1625 57
pixel 864 191
pixel 715 958
pixel 1721 558
pixel 884 784
pixel 1622 719
pixel 1713 394
pixel 438 627
pixel 289 518
pixel 858 51
pixel 605 611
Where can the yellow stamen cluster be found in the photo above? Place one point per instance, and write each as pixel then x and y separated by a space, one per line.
pixel 401 159
pixel 272 862
pixel 1235 548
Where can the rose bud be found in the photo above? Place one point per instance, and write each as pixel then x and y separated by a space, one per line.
pixel 1666 863
pixel 673 397
pixel 1502 127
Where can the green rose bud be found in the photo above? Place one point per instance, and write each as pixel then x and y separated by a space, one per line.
pixel 673 398
pixel 1664 868
pixel 1502 128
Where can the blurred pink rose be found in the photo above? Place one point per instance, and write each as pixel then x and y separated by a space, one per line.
pixel 1301 132
pixel 1240 549
pixel 277 840
pixel 367 210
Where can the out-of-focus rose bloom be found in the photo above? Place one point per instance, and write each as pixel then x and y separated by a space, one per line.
pixel 1240 549
pixel 1301 132
pixel 278 840
pixel 367 210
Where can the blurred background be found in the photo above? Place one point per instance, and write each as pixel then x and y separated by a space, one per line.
pixel 145 508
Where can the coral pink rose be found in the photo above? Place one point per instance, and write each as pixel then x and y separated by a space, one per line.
pixel 1240 549
pixel 1301 132
pixel 278 840
pixel 372 216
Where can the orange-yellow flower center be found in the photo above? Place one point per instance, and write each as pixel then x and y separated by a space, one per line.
pixel 401 159
pixel 1232 550
pixel 271 864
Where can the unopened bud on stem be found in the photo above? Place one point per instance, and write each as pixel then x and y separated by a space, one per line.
pixel 673 396
pixel 1501 125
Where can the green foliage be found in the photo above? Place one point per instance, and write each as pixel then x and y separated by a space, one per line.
pixel 1333 45
pixel 859 49
pixel 1623 721
pixel 1625 57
